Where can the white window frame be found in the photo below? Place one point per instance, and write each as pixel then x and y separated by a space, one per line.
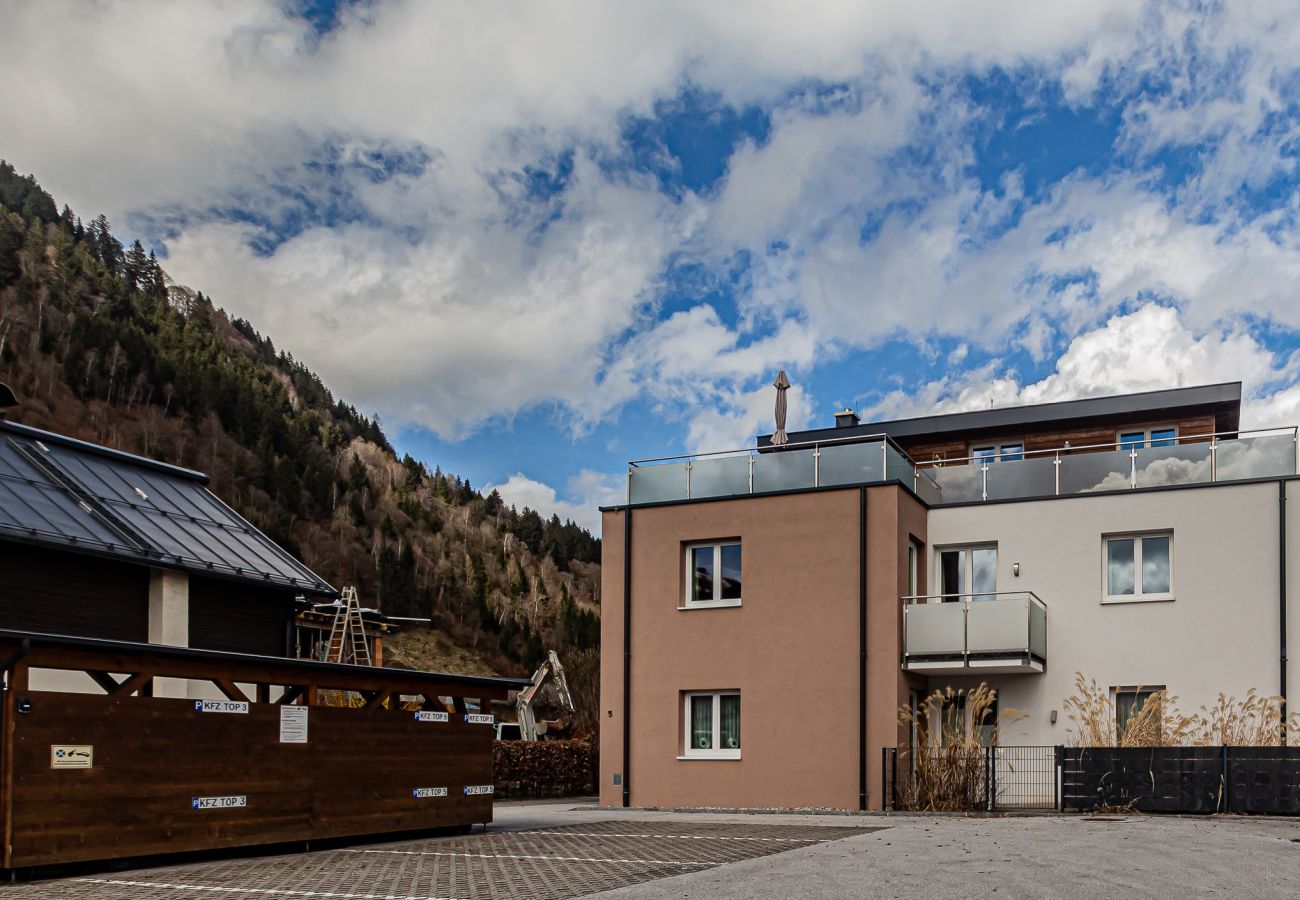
pixel 688 574
pixel 968 572
pixel 1137 596
pixel 689 752
pixel 998 448
pixel 1145 430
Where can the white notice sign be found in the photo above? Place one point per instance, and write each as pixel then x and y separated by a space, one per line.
pixel 72 756
pixel 221 706
pixel 293 724
pixel 424 716
pixel 474 790
pixel 426 793
pixel 479 719
pixel 218 802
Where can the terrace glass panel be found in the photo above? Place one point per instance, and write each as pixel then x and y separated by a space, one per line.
pixel 1083 473
pixel 927 488
pixel 851 463
pixel 721 476
pixel 959 483
pixel 783 470
pixel 1169 464
pixel 653 483
pixel 1032 477
pixel 1264 456
pixel 897 466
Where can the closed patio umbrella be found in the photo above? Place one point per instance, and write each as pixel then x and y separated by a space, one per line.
pixel 782 384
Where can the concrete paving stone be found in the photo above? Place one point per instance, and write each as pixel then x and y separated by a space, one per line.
pixel 561 850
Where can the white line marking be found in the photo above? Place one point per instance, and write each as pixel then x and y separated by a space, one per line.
pixel 682 837
pixel 653 862
pixel 269 892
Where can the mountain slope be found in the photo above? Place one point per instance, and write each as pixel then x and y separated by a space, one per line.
pixel 99 343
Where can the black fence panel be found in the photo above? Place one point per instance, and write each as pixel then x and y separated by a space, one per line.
pixel 1264 780
pixel 965 778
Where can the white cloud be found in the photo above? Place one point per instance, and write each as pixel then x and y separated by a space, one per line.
pixel 1149 349
pixel 455 297
pixel 585 493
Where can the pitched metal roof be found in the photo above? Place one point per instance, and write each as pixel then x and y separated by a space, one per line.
pixel 62 492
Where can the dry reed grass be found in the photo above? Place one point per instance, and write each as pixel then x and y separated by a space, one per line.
pixel 1253 721
pixel 945 771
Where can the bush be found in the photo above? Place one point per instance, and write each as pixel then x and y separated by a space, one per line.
pixel 540 769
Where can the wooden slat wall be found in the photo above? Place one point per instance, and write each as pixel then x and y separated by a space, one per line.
pixel 355 776
pixel 58 592
pixel 929 449
pixel 238 618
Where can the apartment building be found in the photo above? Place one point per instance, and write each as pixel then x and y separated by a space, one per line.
pixel 767 612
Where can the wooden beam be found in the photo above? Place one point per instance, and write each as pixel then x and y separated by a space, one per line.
pixel 291 694
pixel 104 680
pixel 263 693
pixel 378 699
pixel 132 684
pixel 230 689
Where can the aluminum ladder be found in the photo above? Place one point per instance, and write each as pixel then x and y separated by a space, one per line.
pixel 348 634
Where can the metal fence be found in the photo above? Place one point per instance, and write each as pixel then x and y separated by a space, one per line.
pixel 966 778
pixel 1182 779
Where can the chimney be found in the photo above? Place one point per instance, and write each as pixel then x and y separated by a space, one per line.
pixel 846 418
pixel 7 399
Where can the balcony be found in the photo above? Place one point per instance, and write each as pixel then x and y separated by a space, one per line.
pixel 975 634
pixel 1196 459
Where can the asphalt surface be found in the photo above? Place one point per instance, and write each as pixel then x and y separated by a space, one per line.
pixel 560 850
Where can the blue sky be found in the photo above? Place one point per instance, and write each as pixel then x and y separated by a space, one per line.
pixel 541 239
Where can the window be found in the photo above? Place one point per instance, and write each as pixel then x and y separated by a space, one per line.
pixel 968 572
pixel 712 575
pixel 1138 438
pixel 713 725
pixel 1007 452
pixel 1129 703
pixel 1139 567
pixel 913 568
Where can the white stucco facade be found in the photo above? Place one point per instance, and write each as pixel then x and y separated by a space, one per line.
pixel 1219 632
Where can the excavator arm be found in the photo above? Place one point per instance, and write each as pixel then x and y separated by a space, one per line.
pixel 549 670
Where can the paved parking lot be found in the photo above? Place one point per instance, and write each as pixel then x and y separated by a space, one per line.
pixel 568 850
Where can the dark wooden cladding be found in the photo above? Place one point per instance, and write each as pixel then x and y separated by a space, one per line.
pixel 53 591
pixel 934 448
pixel 356 775
pixel 238 618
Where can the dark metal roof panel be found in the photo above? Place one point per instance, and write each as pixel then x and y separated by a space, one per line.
pixel 1228 393
pixel 58 491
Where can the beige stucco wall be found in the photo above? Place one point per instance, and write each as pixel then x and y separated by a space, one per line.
pixel 791 648
pixel 1220 633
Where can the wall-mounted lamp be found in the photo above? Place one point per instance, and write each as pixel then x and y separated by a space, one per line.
pixel 1053 717
pixel 1015 569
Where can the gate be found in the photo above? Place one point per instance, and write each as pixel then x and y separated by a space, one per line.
pixel 965 778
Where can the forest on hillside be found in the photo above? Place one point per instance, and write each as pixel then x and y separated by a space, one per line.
pixel 99 343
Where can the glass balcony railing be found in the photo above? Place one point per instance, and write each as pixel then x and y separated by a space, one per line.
pixel 1197 459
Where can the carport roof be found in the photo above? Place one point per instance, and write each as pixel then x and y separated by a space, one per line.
pixel 61 492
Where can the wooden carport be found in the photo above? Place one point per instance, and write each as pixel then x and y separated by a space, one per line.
pixel 123 773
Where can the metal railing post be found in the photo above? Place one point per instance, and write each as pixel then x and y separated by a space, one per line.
pixel 1056 470
pixel 751 473
pixel 984 481
pixel 817 465
pixel 1132 469
pixel 1214 458
pixel 629 484
pixel 884 459
pixel 1295 440
pixel 688 479
pixel 1057 801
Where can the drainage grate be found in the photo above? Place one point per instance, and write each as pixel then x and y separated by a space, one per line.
pixel 547 863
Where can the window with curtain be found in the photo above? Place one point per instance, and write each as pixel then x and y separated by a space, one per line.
pixel 713 575
pixel 713 725
pixel 1139 567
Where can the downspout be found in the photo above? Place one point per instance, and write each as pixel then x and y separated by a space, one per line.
pixel 1281 598
pixel 862 649
pixel 627 651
